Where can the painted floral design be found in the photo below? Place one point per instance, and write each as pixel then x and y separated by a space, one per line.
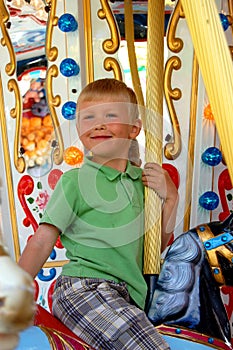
pixel 42 200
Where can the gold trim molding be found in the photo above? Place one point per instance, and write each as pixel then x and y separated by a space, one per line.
pixel 16 113
pixel 110 46
pixel 55 101
pixel 175 44
pixel 10 69
pixel 56 263
pixel 88 41
pixel 111 63
pixel 51 334
pixel 230 6
pixel 7 166
pixel 51 52
pixel 172 149
pixel 191 142
pixel 5 40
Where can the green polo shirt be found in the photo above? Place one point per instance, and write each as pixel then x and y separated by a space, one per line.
pixel 99 212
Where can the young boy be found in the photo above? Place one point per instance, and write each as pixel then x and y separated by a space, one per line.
pixel 98 212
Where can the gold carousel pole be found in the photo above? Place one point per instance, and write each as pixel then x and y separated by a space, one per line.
pixel 129 35
pixel 215 63
pixel 154 131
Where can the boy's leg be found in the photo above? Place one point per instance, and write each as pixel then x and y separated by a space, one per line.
pixel 100 313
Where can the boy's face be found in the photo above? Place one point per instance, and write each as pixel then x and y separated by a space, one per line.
pixel 106 128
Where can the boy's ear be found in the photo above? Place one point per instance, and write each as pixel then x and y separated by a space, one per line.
pixel 136 128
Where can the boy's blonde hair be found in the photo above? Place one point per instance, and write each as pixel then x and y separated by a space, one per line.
pixel 110 90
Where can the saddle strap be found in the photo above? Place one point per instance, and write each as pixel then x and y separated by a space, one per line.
pixel 215 245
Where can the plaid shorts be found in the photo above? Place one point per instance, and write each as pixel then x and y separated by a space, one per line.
pixel 101 314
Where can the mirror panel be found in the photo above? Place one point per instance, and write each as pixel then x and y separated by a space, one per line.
pixel 27 33
pixel 36 126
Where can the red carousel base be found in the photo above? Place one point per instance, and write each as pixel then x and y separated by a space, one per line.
pixel 57 333
pixel 62 338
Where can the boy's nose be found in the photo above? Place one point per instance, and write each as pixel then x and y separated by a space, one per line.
pixel 100 126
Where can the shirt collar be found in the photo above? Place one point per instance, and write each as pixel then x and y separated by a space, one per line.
pixel 132 171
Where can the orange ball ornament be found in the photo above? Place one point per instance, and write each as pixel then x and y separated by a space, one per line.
pixel 208 113
pixel 73 156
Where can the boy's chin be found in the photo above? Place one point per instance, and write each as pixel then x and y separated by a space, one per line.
pixel 111 151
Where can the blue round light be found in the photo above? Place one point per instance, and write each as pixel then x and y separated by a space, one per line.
pixel 209 200
pixel 224 21
pixel 69 68
pixel 212 156
pixel 67 23
pixel 68 110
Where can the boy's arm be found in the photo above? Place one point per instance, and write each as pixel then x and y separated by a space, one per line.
pixel 169 212
pixel 155 177
pixel 38 249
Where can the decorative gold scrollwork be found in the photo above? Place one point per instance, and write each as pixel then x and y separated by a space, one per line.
pixel 55 101
pixel 111 63
pixel 172 149
pixel 175 44
pixel 12 86
pixel 51 52
pixel 8 172
pixel 110 46
pixel 5 40
pixel 16 113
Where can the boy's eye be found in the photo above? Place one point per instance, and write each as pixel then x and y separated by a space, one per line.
pixel 88 116
pixel 111 115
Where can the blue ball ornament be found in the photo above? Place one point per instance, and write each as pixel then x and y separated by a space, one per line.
pixel 67 23
pixel 224 21
pixel 69 68
pixel 68 110
pixel 212 156
pixel 209 200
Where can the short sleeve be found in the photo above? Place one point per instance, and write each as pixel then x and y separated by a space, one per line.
pixel 63 205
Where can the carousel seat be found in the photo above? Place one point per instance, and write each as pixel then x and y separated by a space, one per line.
pixel 49 333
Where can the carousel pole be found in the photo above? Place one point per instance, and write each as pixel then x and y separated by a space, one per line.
pixel 215 63
pixel 129 36
pixel 153 133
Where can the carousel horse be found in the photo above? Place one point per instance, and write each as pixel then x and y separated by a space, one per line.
pixel 17 305
pixel 187 291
